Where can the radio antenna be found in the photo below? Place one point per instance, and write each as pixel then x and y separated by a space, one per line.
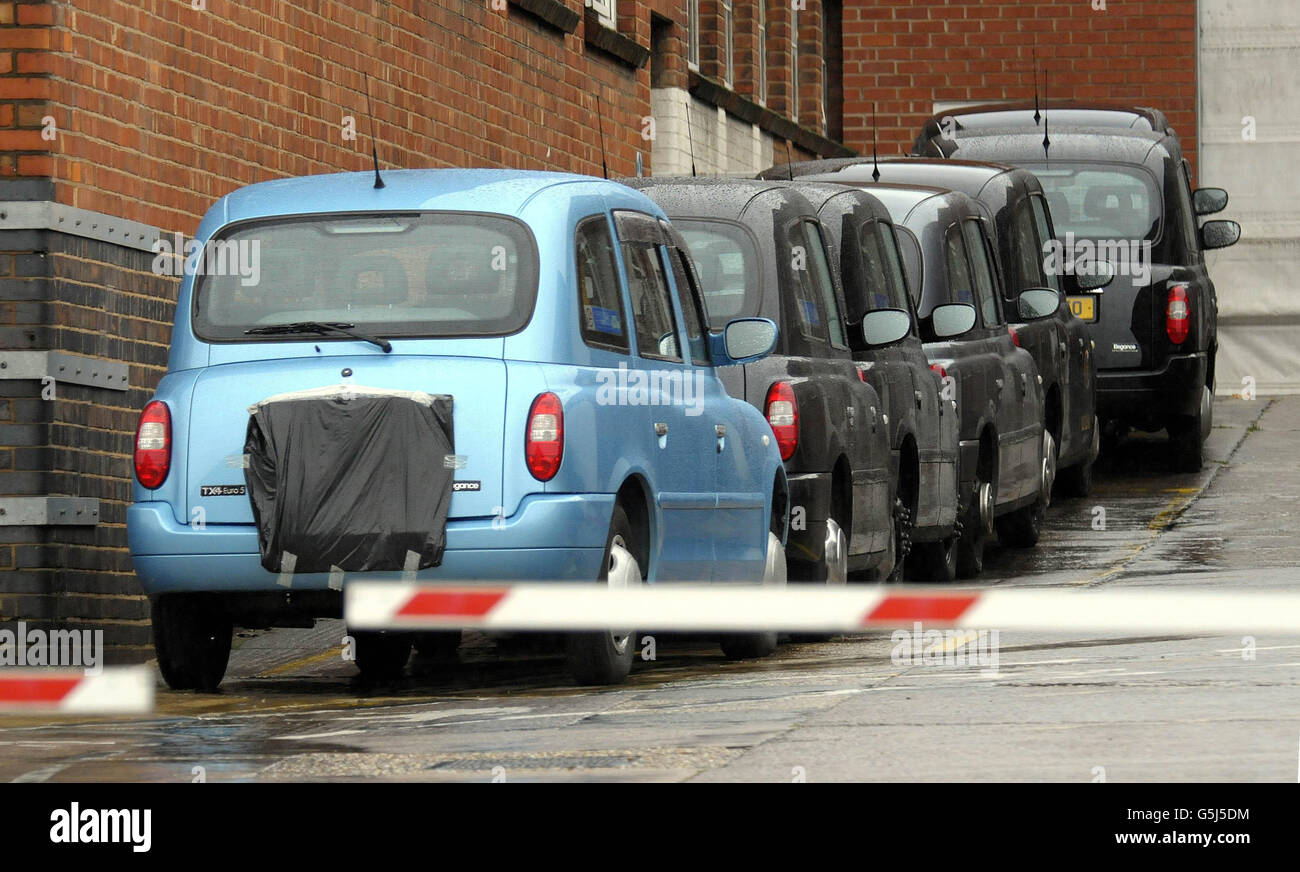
pixel 374 148
pixel 1038 116
pixel 604 167
pixel 690 136
pixel 1047 142
pixel 875 159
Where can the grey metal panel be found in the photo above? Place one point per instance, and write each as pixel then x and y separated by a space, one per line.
pixel 48 511
pixel 64 367
pixel 45 215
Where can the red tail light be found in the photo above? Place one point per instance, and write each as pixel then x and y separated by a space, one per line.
pixel 1178 315
pixel 783 415
pixel 939 370
pixel 544 442
pixel 862 376
pixel 1015 337
pixel 153 445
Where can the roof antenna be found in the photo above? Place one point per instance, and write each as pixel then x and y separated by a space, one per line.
pixel 1038 116
pixel 374 149
pixel 604 167
pixel 875 160
pixel 1047 142
pixel 690 137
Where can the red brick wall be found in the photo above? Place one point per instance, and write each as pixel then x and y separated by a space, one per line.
pixel 162 108
pixel 908 54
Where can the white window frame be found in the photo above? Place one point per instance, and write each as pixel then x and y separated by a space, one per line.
pixel 728 8
pixel 760 91
pixel 693 34
pixel 606 12
pixel 794 63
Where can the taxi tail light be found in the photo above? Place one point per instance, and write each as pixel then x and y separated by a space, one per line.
pixel 783 416
pixel 153 445
pixel 544 440
pixel 1178 315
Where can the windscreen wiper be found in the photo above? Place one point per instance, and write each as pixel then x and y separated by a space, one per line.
pixel 320 328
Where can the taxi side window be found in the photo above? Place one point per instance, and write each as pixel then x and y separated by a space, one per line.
pixel 600 300
pixel 960 287
pixel 652 307
pixel 688 294
pixel 981 261
pixel 1041 223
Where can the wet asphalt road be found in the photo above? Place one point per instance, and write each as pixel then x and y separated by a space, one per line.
pixel 1069 708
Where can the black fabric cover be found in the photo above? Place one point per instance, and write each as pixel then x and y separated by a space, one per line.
pixel 350 477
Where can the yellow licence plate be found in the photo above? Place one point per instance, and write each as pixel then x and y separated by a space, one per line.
pixel 1084 308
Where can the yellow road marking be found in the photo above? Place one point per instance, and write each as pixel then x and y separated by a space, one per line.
pixel 309 660
pixel 1158 524
pixel 952 644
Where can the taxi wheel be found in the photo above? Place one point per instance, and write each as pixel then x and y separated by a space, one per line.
pixel 381 656
pixel 751 646
pixel 1187 435
pixel 606 657
pixel 191 635
pixel 1024 527
pixel 974 531
pixel 933 561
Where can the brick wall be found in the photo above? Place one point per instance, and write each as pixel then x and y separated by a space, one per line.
pixel 150 111
pixel 162 108
pixel 908 54
pixel 101 300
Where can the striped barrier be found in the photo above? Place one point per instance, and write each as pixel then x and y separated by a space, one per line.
pixel 115 690
pixel 814 609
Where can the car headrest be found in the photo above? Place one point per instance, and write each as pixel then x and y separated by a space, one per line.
pixel 374 281
pixel 1059 207
pixel 1105 201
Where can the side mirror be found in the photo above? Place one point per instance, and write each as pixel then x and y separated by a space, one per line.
pixel 1219 234
pixel 885 326
pixel 743 340
pixel 1099 275
pixel 952 319
pixel 668 345
pixel 1034 304
pixel 1207 201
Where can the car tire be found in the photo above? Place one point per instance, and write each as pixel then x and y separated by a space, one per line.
pixel 380 656
pixel 1187 436
pixel 751 646
pixel 192 636
pixel 934 562
pixel 833 569
pixel 438 645
pixel 975 530
pixel 1076 481
pixel 606 657
pixel 1024 527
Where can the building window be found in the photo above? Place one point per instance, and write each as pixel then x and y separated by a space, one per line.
pixel 693 34
pixel 606 13
pixel 832 69
pixel 760 90
pixel 728 41
pixel 794 64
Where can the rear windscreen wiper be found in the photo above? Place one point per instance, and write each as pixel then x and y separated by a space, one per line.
pixel 320 328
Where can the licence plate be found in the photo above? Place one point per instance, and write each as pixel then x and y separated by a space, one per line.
pixel 1084 308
